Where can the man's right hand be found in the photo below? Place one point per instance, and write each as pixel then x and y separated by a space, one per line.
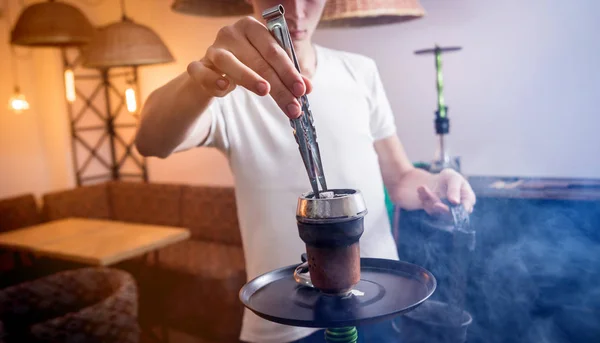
pixel 246 54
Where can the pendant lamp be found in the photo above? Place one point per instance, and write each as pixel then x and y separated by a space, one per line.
pixel 359 13
pixel 212 8
pixel 17 102
pixel 51 24
pixel 125 43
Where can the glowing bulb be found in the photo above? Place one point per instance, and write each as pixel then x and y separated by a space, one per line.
pixel 18 103
pixel 130 99
pixel 70 85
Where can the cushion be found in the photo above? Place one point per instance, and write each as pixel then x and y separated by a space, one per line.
pixel 206 259
pixel 211 214
pixel 17 212
pixel 200 283
pixel 145 203
pixel 81 202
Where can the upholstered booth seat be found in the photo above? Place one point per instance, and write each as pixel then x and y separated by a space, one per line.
pixel 193 286
pixel 16 212
pixel 200 282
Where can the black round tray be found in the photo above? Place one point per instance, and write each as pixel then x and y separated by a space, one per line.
pixel 390 288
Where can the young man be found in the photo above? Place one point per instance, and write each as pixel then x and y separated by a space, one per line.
pixel 239 97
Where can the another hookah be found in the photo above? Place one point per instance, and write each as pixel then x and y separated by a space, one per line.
pixel 442 158
pixel 333 288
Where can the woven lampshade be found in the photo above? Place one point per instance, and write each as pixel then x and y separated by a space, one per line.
pixel 212 8
pixel 357 13
pixel 51 23
pixel 125 43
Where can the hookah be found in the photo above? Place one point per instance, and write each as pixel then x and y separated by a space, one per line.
pixel 333 287
pixel 442 158
pixel 446 245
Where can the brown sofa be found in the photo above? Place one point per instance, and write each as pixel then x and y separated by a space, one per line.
pixel 196 281
pixel 16 212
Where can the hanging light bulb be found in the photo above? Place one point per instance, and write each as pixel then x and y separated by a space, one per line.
pixel 18 103
pixel 130 93
pixel 130 99
pixel 70 85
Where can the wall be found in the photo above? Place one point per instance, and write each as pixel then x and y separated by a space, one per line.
pixel 30 143
pixel 22 158
pixel 520 92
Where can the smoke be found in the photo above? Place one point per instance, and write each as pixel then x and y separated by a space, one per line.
pixel 534 275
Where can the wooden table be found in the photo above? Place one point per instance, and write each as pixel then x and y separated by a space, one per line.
pixel 92 241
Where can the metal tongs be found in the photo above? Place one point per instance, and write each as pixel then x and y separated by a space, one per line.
pixel 304 129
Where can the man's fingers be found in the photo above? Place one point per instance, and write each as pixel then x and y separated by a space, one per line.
pixel 308 84
pixel 468 197
pixel 458 190
pixel 235 70
pixel 251 57
pixel 272 52
pixel 440 209
pixel 210 80
pixel 248 69
pixel 431 202
pixel 453 189
pixel 246 50
pixel 426 195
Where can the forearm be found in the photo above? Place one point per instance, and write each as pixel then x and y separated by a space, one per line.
pixel 400 177
pixel 169 114
pixel 415 189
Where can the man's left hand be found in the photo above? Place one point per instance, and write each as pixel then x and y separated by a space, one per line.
pixel 450 185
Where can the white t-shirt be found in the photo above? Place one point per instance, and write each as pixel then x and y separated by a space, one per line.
pixel 350 111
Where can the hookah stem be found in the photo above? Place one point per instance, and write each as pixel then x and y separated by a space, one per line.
pixel 441 111
pixel 440 82
pixel 347 334
pixel 443 154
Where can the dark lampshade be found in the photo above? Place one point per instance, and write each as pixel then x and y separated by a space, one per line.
pixel 358 13
pixel 337 13
pixel 51 23
pixel 125 43
pixel 212 8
